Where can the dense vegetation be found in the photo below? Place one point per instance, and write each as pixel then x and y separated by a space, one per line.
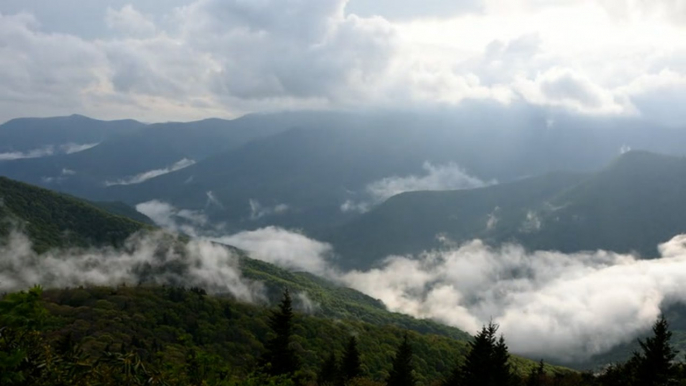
pixel 334 301
pixel 174 336
pixel 183 334
pixel 54 220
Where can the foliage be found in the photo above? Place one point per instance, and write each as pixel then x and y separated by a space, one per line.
pixel 351 366
pixel 54 220
pixel 402 372
pixel 486 364
pixel 280 358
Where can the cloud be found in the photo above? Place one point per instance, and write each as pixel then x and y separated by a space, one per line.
pixel 178 220
pixel 71 148
pixel 213 200
pixel 549 304
pixel 35 153
pixel 567 306
pixel 193 59
pixel 150 258
pixel 129 21
pixel 258 211
pixel 437 177
pixel 45 151
pixel 142 177
pixel 408 10
pixel 303 303
pixel 352 206
pixel 565 88
pixel 287 249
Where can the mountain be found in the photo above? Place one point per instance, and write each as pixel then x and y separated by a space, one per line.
pixel 118 156
pixel 228 336
pixel 300 169
pixel 57 135
pixel 411 222
pixel 301 177
pixel 632 205
pixel 53 220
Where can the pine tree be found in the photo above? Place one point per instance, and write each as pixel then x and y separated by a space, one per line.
pixel 536 375
pixel 351 367
pixel 500 361
pixel 329 372
pixel 486 364
pixel 402 371
pixel 280 357
pixel 653 366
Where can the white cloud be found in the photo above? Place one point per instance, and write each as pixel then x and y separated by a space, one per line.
pixel 566 88
pixel 71 148
pixel 215 57
pixel 129 21
pixel 153 258
pixel 167 216
pixel 258 211
pixel 547 303
pixel 436 177
pixel 45 151
pixel 284 248
pixel 352 206
pixel 35 153
pixel 142 177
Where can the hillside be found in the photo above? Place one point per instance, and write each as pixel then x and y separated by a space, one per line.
pixel 632 205
pixel 411 222
pixel 229 336
pixel 53 220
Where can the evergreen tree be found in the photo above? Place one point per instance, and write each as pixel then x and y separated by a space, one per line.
pixel 653 366
pixel 351 367
pixel 402 373
pixel 536 375
pixel 502 374
pixel 486 364
pixel 280 358
pixel 328 373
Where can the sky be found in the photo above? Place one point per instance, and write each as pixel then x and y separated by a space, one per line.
pixel 164 60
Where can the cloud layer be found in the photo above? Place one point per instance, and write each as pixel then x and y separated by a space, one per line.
pixel 142 177
pixel 151 258
pixel 67 148
pixel 436 177
pixel 567 306
pixel 199 58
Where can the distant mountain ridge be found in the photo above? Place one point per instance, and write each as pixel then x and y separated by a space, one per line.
pixel 300 169
pixel 630 206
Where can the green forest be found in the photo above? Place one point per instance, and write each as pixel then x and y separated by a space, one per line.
pixel 158 335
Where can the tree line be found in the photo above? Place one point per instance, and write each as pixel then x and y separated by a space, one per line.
pixel 29 355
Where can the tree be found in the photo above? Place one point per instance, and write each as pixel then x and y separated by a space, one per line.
pixel 502 374
pixel 351 366
pixel 654 365
pixel 402 372
pixel 22 316
pixel 328 373
pixel 280 358
pixel 536 375
pixel 486 364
